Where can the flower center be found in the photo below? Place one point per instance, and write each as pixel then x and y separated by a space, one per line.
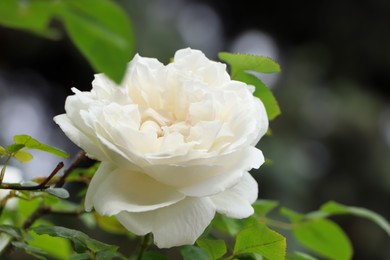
pixel 151 125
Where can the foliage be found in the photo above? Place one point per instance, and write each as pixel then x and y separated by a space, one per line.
pixel 102 32
pixel 241 66
pixel 99 28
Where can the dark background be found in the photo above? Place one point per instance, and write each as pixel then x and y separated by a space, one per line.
pixel 331 141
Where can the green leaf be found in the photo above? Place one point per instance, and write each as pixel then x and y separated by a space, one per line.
pixel 13 148
pixel 27 140
pixel 33 16
pixel 79 239
pixel 58 192
pixel 26 208
pixel 263 207
pixel 103 255
pixel 57 247
pixel 58 204
pixel 110 224
pixel 99 28
pixel 262 92
pixel 31 250
pixel 324 237
pixel 23 156
pixel 244 62
pixel 334 208
pixel 29 183
pixel 102 32
pixel 291 214
pixel 88 220
pixel 300 256
pixel 261 240
pixel 31 143
pixel 11 230
pixel 227 225
pixel 50 149
pixel 2 150
pixel 214 248
pixel 193 253
pixel 251 256
pixel 83 256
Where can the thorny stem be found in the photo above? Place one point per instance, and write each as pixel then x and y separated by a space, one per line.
pixel 76 161
pixel 39 187
pixel 43 185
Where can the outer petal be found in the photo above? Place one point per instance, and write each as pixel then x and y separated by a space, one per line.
pixel 99 177
pixel 114 190
pixel 183 222
pixel 140 223
pixel 236 202
pixel 179 224
pixel 81 139
pixel 263 124
pixel 207 176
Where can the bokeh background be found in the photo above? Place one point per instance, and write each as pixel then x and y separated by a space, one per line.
pixel 332 141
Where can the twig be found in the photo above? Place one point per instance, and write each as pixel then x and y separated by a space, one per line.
pixel 76 161
pixel 39 187
pixel 43 210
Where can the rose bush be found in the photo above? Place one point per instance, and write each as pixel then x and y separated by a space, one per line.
pixel 176 143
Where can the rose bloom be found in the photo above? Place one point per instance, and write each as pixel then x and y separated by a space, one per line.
pixel 176 143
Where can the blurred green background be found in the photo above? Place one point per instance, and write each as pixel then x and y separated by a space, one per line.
pixel 332 141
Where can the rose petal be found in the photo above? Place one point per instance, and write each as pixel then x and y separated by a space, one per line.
pixel 98 178
pixel 183 222
pixel 118 156
pixel 80 102
pixel 140 223
pixel 144 81
pixel 263 124
pixel 236 201
pixel 105 89
pixel 179 224
pixel 207 176
pixel 211 72
pixel 114 190
pixel 205 132
pixel 213 185
pixel 81 139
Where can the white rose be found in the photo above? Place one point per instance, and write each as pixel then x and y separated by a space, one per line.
pixel 176 144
